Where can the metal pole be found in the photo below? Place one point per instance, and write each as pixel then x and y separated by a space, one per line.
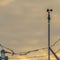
pixel 48 10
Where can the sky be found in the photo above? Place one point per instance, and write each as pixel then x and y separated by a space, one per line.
pixel 24 24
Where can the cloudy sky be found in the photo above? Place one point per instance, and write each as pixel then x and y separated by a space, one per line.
pixel 23 24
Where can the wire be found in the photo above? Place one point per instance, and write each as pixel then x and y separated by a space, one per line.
pixel 25 53
pixel 41 48
pixel 55 43
pixel 12 52
pixel 57 50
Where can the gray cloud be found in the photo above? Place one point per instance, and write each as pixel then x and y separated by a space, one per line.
pixel 23 25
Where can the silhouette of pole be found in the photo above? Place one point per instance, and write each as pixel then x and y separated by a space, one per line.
pixel 49 10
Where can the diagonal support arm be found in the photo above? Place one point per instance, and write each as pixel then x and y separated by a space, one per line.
pixel 54 54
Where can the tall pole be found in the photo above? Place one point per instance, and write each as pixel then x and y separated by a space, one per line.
pixel 49 10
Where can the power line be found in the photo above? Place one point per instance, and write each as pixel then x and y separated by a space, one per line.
pixel 41 48
pixel 57 50
pixel 12 52
pixel 25 53
pixel 55 43
pixel 34 51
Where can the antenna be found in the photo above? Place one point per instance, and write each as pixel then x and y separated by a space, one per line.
pixel 49 10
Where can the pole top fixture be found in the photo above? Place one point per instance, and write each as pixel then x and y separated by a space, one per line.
pixel 48 10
